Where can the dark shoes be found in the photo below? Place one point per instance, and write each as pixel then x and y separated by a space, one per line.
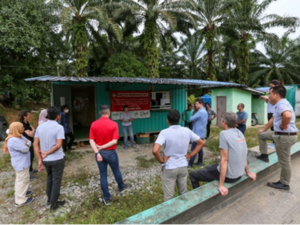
pixel 33 171
pixel 28 201
pixel 126 187
pixel 56 205
pixel 32 178
pixel 278 185
pixel 263 157
pixel 28 193
pixel 107 202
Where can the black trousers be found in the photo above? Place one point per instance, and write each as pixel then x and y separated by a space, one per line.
pixel 208 174
pixel 66 145
pixel 55 171
pixel 208 129
pixel 31 158
pixel 270 115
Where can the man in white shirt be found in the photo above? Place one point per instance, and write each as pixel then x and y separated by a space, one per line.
pixel 175 140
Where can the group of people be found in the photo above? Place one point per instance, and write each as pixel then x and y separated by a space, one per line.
pixel 232 144
pixel 49 138
pixel 24 141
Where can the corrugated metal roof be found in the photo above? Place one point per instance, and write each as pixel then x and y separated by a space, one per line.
pixel 202 83
pixel 266 89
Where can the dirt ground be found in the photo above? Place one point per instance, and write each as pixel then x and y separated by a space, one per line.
pixel 127 158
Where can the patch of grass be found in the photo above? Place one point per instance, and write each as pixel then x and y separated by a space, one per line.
pixel 5 163
pixel 145 163
pixel 73 156
pixel 10 193
pixel 80 176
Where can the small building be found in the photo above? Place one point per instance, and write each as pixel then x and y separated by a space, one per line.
pixel 148 98
pixel 226 99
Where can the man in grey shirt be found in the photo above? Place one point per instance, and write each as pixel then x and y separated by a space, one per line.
pixel 48 149
pixel 284 136
pixel 233 163
pixel 211 116
pixel 175 140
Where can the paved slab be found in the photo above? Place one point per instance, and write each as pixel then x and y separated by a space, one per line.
pixel 260 205
pixel 256 149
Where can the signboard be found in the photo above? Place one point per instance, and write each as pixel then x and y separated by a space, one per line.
pixel 138 103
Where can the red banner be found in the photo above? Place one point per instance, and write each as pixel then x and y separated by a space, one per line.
pixel 136 100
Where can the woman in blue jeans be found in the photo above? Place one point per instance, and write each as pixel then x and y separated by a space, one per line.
pixel 126 119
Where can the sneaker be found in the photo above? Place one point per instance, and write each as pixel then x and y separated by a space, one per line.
pixel 28 193
pixel 33 171
pixel 189 167
pixel 106 202
pixel 126 187
pixel 32 178
pixel 125 148
pixel 199 164
pixel 278 185
pixel 28 201
pixel 58 204
pixel 133 147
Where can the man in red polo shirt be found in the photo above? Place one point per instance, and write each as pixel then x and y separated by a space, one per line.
pixel 104 135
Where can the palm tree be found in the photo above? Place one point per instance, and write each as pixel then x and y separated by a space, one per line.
pixel 193 52
pixel 247 21
pixel 211 15
pixel 81 19
pixel 277 62
pixel 159 20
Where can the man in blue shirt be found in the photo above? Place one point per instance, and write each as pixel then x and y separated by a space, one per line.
pixel 284 136
pixel 242 118
pixel 200 119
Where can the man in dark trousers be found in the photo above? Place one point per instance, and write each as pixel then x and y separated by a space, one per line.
pixel 48 141
pixel 284 136
pixel 65 122
pixel 104 135
pixel 211 116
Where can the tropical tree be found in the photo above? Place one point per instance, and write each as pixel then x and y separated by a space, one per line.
pixel 247 22
pixel 81 21
pixel 211 14
pixel 276 63
pixel 159 20
pixel 193 51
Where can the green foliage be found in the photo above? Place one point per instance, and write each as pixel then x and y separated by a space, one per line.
pixel 191 99
pixel 124 65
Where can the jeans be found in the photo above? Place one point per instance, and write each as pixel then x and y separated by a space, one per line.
pixel 65 141
pixel 208 174
pixel 200 155
pixel 242 128
pixel 189 125
pixel 109 157
pixel 126 130
pixel 55 171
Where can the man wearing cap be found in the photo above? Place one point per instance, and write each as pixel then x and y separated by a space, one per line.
pixel 284 136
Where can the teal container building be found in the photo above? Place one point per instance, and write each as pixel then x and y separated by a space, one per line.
pixel 85 95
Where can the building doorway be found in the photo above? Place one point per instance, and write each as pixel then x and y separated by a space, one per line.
pixel 221 108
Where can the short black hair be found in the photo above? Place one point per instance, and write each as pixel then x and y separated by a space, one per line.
pixel 200 101
pixel 52 112
pixel 173 117
pixel 104 109
pixel 279 90
pixel 63 107
pixel 242 104
pixel 124 107
pixel 207 103
pixel 190 105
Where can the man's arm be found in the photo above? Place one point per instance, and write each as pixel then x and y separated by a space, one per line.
pixel 251 175
pixel 95 149
pixel 265 98
pixel 196 116
pixel 242 121
pixel 107 145
pixel 53 149
pixel 155 152
pixel 199 145
pixel 183 117
pixel 37 151
pixel 223 170
pixel 215 115
pixel 268 126
pixel 286 119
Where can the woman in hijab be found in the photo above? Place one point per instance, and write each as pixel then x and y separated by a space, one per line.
pixel 18 148
pixel 42 117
